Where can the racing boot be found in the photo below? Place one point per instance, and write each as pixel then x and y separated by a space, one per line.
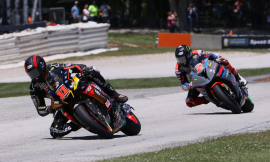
pixel 242 81
pixel 60 131
pixel 112 93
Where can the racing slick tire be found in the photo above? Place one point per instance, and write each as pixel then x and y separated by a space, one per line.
pixel 132 126
pixel 88 122
pixel 227 101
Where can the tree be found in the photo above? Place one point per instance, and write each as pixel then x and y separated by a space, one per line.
pixel 180 6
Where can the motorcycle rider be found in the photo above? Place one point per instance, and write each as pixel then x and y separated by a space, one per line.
pixel 186 62
pixel 36 68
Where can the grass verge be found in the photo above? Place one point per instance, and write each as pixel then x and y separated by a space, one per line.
pixel 20 89
pixel 142 40
pixel 240 148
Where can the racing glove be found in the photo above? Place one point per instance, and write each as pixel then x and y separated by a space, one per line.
pixel 219 59
pixel 187 86
pixel 49 109
pixel 86 71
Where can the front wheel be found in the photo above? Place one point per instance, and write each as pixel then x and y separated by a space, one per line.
pixel 88 122
pixel 227 101
pixel 132 126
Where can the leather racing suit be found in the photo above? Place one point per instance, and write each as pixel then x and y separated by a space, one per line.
pixel 183 72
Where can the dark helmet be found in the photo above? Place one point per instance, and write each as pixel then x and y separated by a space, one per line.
pixel 35 67
pixel 183 54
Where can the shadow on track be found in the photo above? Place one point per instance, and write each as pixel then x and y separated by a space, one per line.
pixel 213 113
pixel 94 137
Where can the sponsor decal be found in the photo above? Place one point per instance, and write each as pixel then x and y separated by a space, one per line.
pixel 88 90
pixel 35 102
pixel 233 81
pixel 215 65
pixel 210 64
pixel 198 67
pixel 51 69
pixel 97 92
pixel 188 48
pixel 36 84
pixel 56 84
pixel 180 53
pixel 29 66
pixel 259 42
pixel 72 84
pixel 235 42
pixel 65 114
pixel 108 104
pixel 76 105
pixel 200 89
pixel 46 88
pixel 194 79
pixel 213 71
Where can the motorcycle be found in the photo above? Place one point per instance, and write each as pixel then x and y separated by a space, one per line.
pixel 87 105
pixel 219 86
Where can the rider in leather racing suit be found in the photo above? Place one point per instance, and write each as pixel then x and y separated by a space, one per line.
pixel 187 60
pixel 36 68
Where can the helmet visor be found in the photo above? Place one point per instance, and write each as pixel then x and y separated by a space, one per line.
pixel 181 60
pixel 33 74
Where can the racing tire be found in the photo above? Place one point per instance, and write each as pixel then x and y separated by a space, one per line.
pixel 132 126
pixel 248 106
pixel 87 121
pixel 227 101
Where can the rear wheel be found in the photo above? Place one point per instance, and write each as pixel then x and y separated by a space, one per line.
pixel 227 101
pixel 132 126
pixel 89 122
pixel 248 106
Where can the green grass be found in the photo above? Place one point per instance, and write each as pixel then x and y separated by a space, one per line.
pixel 253 147
pixel 20 89
pixel 253 72
pixel 123 51
pixel 143 40
pixel 14 89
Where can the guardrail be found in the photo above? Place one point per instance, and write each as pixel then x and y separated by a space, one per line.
pixel 60 39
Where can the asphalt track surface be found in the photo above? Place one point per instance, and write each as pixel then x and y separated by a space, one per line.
pixel 166 122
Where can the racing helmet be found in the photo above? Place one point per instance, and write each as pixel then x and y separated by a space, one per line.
pixel 183 54
pixel 35 67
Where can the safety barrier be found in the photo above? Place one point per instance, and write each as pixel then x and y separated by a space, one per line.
pixel 60 39
pixel 9 49
pixel 193 40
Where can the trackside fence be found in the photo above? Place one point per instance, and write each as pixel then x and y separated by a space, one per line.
pixel 51 40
